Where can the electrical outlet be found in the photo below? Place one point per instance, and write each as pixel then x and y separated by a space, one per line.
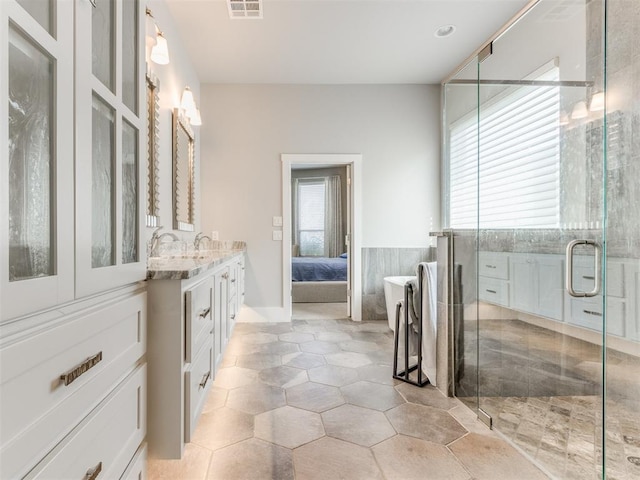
pixel 214 235
pixel 277 235
pixel 277 221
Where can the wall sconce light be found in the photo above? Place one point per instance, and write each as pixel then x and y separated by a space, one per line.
pixel 579 110
pixel 188 106
pixel 160 51
pixel 195 120
pixel 150 29
pixel 187 102
pixel 156 40
pixel 597 102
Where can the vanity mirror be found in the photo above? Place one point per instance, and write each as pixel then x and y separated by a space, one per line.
pixel 153 117
pixel 183 181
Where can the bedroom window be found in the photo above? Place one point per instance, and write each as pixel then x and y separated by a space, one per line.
pixel 311 208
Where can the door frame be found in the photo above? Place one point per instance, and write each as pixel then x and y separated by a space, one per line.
pixel 355 161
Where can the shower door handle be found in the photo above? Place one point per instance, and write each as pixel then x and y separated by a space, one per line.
pixel 569 271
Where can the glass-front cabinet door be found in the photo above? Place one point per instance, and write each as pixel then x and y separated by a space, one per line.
pixel 110 147
pixel 36 163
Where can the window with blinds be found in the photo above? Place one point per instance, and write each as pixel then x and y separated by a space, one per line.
pixel 310 212
pixel 516 182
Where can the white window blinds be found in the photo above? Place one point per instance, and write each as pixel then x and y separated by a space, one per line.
pixel 515 183
pixel 311 209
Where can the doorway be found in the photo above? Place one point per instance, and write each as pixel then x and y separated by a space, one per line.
pixel 322 257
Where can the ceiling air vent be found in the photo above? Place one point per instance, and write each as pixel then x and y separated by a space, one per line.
pixel 245 8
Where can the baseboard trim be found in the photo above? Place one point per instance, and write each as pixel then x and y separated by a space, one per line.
pixel 262 315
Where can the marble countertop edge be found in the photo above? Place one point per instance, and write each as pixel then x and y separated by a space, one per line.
pixel 185 267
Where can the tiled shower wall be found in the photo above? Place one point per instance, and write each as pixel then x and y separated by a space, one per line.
pixel 378 263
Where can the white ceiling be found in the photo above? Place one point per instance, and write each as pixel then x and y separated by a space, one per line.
pixel 336 41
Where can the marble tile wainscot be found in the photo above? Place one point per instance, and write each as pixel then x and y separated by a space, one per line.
pixel 193 301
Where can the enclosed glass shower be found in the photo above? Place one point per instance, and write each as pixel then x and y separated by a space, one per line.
pixel 541 140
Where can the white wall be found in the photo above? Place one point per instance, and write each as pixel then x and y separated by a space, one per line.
pixel 246 128
pixel 173 78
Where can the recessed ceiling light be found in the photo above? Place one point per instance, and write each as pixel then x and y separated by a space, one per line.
pixel 445 31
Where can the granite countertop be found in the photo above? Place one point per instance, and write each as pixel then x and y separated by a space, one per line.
pixel 181 267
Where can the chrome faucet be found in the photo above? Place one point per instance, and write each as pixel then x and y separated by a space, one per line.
pixel 156 240
pixel 199 237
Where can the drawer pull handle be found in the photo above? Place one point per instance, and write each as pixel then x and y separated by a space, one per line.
pixel 225 275
pixel 588 277
pixel 205 379
pixel 233 317
pixel 93 473
pixel 233 280
pixel 205 312
pixel 490 266
pixel 591 312
pixel 69 377
pixel 491 291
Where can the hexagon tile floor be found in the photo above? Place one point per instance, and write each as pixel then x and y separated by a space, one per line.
pixel 315 399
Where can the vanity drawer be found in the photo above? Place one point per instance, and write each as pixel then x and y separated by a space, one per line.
pixel 198 380
pixel 494 265
pixel 106 440
pixel 493 291
pixel 587 312
pixel 95 349
pixel 137 469
pixel 199 317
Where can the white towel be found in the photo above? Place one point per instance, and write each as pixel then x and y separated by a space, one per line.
pixel 429 320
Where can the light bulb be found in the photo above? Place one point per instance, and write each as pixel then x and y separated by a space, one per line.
pixel 160 51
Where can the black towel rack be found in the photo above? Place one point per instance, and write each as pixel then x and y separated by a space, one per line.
pixel 403 375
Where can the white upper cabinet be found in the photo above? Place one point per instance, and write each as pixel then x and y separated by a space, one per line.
pixel 73 150
pixel 36 163
pixel 110 144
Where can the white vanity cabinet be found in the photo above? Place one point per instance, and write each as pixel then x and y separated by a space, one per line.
pixel 73 305
pixel 190 309
pixel 493 279
pixel 535 285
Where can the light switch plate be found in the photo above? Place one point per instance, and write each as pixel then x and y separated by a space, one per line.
pixel 214 235
pixel 277 235
pixel 277 222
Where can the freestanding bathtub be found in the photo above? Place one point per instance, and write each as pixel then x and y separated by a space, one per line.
pixel 393 293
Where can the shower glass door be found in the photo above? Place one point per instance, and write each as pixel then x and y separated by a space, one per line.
pixel 541 265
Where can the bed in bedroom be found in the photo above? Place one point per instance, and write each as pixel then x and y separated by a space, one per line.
pixel 319 279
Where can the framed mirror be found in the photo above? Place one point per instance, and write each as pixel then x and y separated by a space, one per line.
pixel 153 165
pixel 183 176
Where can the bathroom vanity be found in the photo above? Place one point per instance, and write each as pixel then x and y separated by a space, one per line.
pixel 533 283
pixel 193 303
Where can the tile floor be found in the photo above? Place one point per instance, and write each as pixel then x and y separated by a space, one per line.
pixel 315 399
pixel 543 390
